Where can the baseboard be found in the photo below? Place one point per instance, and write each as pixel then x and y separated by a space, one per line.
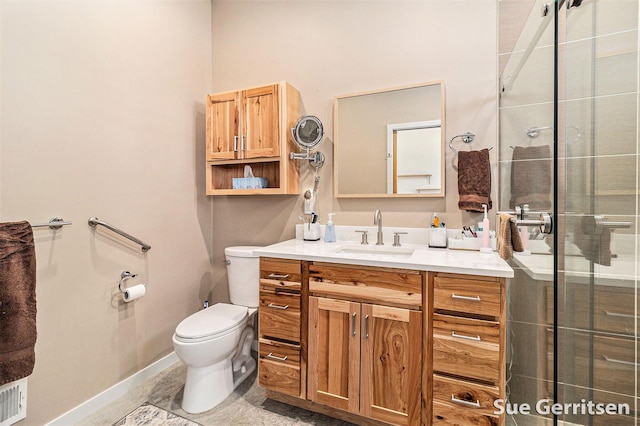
pixel 99 401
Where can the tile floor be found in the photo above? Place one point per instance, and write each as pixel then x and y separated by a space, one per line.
pixel 247 406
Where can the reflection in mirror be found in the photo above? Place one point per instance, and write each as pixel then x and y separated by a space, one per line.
pixel 390 143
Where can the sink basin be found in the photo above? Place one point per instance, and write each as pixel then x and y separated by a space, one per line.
pixel 376 251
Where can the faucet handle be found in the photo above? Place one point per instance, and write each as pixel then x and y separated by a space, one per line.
pixel 396 238
pixel 364 237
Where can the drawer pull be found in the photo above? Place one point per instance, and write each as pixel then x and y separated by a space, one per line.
pixel 353 324
pixel 472 298
pixel 619 361
pixel 463 402
pixel 616 314
pixel 277 358
pixel 462 336
pixel 278 276
pixel 366 326
pixel 274 306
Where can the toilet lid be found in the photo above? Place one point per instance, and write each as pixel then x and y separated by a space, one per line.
pixel 216 319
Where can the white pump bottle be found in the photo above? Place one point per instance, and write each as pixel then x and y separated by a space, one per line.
pixel 485 232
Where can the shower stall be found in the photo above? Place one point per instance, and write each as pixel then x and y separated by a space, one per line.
pixel 568 145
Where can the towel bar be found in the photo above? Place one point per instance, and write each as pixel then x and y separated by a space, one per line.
pixel 94 221
pixel 596 224
pixel 466 138
pixel 54 223
pixel 544 221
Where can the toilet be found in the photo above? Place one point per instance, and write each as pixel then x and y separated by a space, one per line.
pixel 215 343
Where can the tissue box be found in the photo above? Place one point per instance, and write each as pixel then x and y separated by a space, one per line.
pixel 249 183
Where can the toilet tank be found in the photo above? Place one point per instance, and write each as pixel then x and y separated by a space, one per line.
pixel 243 272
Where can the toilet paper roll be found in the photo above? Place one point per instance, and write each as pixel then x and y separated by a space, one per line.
pixel 134 292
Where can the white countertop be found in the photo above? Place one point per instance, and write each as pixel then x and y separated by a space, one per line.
pixel 621 272
pixel 422 258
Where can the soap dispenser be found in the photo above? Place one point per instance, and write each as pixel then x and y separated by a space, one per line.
pixel 330 230
pixel 486 248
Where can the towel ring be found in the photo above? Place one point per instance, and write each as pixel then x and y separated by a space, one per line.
pixel 466 138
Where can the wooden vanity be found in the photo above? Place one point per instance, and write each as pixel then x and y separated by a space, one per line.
pixel 377 345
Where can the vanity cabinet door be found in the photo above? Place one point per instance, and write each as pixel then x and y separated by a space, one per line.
pixel 334 353
pixel 391 364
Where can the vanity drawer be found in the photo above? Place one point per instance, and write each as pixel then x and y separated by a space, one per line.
pixel 472 296
pixel 280 274
pixel 279 352
pixel 612 365
pixel 457 402
pixel 615 309
pixel 394 287
pixel 466 347
pixel 279 315
pixel 279 367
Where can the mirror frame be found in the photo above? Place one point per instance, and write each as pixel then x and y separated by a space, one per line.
pixel 336 144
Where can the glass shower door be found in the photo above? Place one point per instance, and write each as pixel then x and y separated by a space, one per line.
pixel 569 109
pixel 527 114
pixel 598 152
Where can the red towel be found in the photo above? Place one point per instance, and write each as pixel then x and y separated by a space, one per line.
pixel 17 301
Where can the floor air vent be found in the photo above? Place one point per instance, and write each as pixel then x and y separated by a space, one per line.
pixel 13 402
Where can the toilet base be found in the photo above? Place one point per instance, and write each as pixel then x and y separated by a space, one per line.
pixel 206 387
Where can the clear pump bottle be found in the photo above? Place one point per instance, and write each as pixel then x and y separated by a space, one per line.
pixel 330 230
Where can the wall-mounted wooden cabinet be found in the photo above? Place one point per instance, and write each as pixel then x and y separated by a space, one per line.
pixel 252 127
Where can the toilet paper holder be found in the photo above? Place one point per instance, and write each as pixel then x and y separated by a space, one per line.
pixel 125 275
pixel 131 293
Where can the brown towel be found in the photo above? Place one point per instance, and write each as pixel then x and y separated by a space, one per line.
pixel 594 244
pixel 531 177
pixel 474 180
pixel 508 239
pixel 17 301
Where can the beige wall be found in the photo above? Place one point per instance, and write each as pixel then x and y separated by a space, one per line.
pixel 102 107
pixel 327 48
pixel 103 114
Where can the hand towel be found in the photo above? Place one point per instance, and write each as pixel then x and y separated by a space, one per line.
pixel 531 177
pixel 474 180
pixel 595 246
pixel 17 301
pixel 508 238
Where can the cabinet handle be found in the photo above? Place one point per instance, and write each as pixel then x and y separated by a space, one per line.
pixel 366 326
pixel 353 324
pixel 242 143
pixel 473 298
pixel 619 361
pixel 463 402
pixel 278 276
pixel 277 358
pixel 462 336
pixel 616 314
pixel 235 144
pixel 271 305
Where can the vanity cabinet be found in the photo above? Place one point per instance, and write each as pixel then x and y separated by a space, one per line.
pixel 280 363
pixel 365 356
pixel 252 127
pixel 380 345
pixel 603 352
pixel 468 348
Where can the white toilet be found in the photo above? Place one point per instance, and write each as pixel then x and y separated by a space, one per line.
pixel 215 343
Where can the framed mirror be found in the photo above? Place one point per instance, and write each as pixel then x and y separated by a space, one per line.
pixel 390 143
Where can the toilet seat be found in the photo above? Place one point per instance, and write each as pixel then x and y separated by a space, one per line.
pixel 215 321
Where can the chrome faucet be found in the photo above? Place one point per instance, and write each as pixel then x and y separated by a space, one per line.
pixel 377 220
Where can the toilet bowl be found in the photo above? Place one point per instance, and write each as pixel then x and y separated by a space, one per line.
pixel 215 343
